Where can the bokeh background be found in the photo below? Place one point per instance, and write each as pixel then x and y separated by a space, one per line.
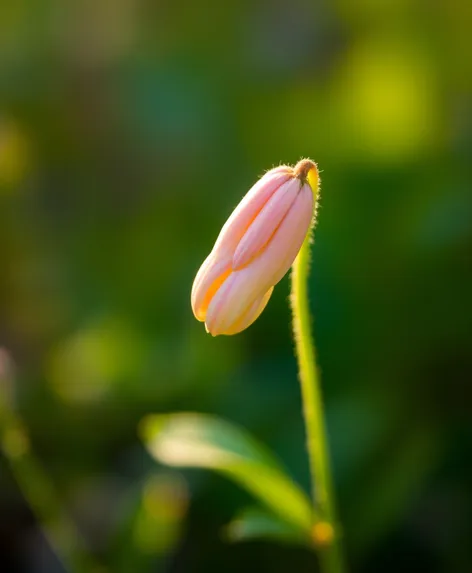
pixel 129 129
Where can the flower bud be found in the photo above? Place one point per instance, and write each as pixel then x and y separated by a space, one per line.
pixel 255 248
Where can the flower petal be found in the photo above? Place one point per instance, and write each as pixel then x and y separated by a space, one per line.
pixel 266 223
pixel 210 277
pixel 249 207
pixel 277 258
pixel 251 315
pixel 229 304
pixel 245 286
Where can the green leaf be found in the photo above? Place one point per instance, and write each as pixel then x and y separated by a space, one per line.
pixel 148 525
pixel 256 523
pixel 200 440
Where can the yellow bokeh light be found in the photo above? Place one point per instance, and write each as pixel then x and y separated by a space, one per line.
pixel 14 154
pixel 385 102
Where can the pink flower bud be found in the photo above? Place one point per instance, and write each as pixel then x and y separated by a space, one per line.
pixel 255 248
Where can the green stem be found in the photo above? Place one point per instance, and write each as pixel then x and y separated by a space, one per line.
pixel 35 484
pixel 320 469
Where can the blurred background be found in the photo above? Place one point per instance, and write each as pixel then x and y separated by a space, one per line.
pixel 129 130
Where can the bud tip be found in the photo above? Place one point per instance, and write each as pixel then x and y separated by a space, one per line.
pixel 307 171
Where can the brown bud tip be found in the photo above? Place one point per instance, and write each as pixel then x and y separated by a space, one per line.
pixel 307 171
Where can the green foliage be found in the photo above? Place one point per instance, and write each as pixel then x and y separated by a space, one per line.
pixel 256 523
pixel 128 132
pixel 197 440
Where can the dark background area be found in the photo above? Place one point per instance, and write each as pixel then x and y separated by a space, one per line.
pixel 128 132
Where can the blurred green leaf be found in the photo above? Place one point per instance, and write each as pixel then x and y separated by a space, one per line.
pixel 256 523
pixel 149 528
pixel 199 440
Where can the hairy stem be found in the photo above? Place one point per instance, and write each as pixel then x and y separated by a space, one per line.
pixel 325 534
